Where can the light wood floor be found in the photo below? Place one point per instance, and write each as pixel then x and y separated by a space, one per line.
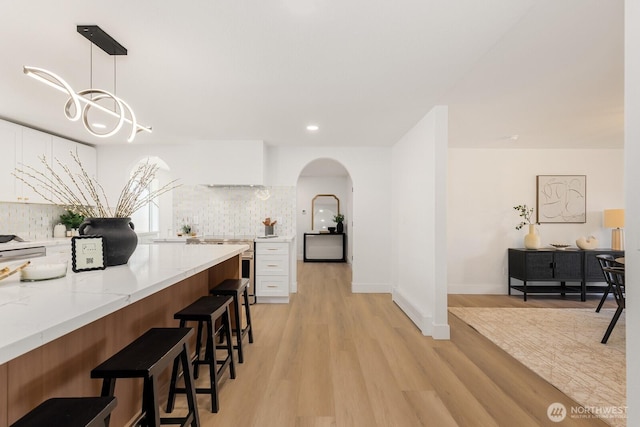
pixel 333 358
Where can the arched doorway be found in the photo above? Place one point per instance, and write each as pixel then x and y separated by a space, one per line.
pixel 323 176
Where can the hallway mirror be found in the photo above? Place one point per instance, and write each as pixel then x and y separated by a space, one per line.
pixel 323 208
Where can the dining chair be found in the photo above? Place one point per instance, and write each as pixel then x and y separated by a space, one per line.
pixel 606 261
pixel 616 277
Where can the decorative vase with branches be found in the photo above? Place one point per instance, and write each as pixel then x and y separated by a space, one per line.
pixel 83 195
pixel 532 239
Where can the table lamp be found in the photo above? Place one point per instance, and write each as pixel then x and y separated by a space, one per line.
pixel 614 218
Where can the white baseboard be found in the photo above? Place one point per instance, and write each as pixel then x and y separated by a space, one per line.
pixel 423 321
pixel 272 300
pixel 370 288
pixel 488 289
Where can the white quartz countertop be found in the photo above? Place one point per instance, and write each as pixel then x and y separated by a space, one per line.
pixel 35 313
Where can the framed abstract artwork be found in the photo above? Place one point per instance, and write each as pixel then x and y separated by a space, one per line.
pixel 561 199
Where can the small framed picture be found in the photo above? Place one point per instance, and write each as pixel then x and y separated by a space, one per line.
pixel 87 253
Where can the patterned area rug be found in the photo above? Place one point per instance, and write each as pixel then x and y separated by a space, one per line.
pixel 563 347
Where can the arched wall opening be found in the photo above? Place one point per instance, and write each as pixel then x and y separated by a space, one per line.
pixel 323 176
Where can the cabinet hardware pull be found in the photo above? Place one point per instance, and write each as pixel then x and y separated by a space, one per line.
pixel 272 249
pixel 272 286
pixel 272 265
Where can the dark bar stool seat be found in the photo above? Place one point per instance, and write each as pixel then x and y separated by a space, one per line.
pixel 147 357
pixel 207 310
pixel 70 412
pixel 237 288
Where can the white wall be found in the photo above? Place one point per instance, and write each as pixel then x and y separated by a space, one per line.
pixel 419 223
pixel 485 185
pixel 632 189
pixel 311 186
pixel 219 162
pixel 370 228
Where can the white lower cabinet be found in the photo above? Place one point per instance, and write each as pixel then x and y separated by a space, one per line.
pixel 273 272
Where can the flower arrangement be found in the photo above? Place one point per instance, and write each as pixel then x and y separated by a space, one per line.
pixel 338 218
pixel 85 196
pixel 526 213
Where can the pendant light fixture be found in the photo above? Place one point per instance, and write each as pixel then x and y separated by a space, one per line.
pixel 79 103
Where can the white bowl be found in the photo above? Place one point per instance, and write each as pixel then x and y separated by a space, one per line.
pixel 34 273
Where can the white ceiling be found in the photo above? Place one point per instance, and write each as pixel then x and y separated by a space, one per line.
pixel 365 71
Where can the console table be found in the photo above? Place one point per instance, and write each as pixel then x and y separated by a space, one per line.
pixel 324 247
pixel 560 266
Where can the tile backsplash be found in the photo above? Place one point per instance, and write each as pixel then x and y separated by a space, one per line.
pixel 29 221
pixel 233 210
pixel 209 210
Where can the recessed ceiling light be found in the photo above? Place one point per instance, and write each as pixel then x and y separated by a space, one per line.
pixel 514 137
pixel 313 128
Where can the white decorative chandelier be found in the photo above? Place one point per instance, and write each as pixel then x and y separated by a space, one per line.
pixel 80 103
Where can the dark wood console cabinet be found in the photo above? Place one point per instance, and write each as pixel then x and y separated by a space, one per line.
pixel 563 267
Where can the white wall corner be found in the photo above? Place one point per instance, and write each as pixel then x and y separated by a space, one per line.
pixel 423 321
pixel 370 288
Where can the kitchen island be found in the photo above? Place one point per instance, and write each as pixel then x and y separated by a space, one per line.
pixel 54 332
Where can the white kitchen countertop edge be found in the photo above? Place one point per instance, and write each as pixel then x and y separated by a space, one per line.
pixel 35 313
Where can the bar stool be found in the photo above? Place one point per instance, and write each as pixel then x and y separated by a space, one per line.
pixel 207 309
pixel 236 288
pixel 70 412
pixel 146 357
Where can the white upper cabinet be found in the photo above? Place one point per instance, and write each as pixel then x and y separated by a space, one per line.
pixel 21 146
pixel 36 146
pixel 62 149
pixel 10 145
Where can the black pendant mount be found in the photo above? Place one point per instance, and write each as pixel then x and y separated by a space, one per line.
pixel 100 38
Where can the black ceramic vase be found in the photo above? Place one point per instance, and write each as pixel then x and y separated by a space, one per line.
pixel 120 240
pixel 339 227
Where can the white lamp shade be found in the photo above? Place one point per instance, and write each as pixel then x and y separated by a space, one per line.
pixel 614 218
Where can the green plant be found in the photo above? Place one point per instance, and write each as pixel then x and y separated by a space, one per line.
pixel 338 218
pixel 186 229
pixel 526 213
pixel 71 219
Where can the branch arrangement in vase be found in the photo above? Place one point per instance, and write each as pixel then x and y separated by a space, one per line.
pixel 85 196
pixel 526 213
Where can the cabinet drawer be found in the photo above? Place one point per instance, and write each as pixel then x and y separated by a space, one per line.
pixel 272 248
pixel 272 265
pixel 272 286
